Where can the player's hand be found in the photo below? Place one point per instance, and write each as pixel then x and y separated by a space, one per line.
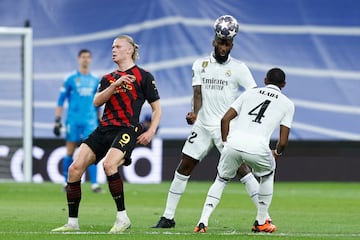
pixel 57 130
pixel 276 156
pixel 57 127
pixel 190 118
pixel 125 79
pixel 145 138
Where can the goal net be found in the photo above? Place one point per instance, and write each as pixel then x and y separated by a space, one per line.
pixel 16 100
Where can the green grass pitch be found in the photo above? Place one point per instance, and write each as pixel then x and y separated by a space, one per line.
pixel 300 211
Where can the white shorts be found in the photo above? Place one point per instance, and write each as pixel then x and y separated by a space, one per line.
pixel 201 140
pixel 231 159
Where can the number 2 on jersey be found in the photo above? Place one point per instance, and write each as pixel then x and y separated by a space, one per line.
pixel 259 111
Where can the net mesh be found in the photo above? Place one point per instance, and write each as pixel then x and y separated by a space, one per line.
pixel 11 97
pixel 11 86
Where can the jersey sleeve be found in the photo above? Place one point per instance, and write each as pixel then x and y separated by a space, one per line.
pixel 96 86
pixel 104 83
pixel 196 80
pixel 247 79
pixel 64 91
pixel 236 105
pixel 150 89
pixel 289 115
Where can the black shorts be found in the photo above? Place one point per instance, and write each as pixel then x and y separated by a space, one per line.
pixel 123 138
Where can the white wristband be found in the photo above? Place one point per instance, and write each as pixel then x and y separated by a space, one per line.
pixel 276 153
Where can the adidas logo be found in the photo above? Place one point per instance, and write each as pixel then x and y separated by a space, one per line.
pixel 210 205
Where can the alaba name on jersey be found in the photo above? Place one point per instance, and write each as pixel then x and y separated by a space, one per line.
pixel 260 112
pixel 220 85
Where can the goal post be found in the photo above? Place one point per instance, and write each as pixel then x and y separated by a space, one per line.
pixel 27 90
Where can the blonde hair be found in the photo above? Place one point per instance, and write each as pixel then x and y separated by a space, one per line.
pixel 130 40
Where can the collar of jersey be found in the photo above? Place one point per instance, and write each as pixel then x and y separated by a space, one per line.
pixel 273 87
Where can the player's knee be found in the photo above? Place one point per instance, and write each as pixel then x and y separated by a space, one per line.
pixel 222 179
pixel 110 167
pixel 268 176
pixel 75 171
pixel 186 165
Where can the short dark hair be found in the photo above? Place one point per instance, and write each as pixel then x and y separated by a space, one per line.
pixel 84 51
pixel 217 38
pixel 276 76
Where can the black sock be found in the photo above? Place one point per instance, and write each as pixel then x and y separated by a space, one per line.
pixel 73 195
pixel 116 189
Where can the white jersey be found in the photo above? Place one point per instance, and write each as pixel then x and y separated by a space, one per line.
pixel 260 112
pixel 220 85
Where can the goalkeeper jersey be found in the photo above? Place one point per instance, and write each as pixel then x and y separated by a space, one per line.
pixel 79 90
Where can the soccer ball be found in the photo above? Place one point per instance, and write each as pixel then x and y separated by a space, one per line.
pixel 226 27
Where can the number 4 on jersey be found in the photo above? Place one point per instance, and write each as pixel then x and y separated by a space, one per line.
pixel 259 111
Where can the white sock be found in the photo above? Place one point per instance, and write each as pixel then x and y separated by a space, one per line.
pixel 121 215
pixel 266 190
pixel 252 187
pixel 212 199
pixel 73 221
pixel 177 188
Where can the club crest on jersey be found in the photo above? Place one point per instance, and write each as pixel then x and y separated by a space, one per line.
pixel 228 73
pixel 204 65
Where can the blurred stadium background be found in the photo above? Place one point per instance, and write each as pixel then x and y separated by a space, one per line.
pixel 315 42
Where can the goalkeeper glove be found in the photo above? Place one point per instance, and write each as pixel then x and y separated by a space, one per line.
pixel 57 126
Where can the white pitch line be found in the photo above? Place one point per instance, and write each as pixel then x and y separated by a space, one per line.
pixel 316 235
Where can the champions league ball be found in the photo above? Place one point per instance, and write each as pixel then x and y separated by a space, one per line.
pixel 226 27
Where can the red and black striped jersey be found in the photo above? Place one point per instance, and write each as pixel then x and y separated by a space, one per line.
pixel 124 106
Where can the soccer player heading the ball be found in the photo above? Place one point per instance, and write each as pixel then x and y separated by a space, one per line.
pixel 216 80
pixel 123 92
